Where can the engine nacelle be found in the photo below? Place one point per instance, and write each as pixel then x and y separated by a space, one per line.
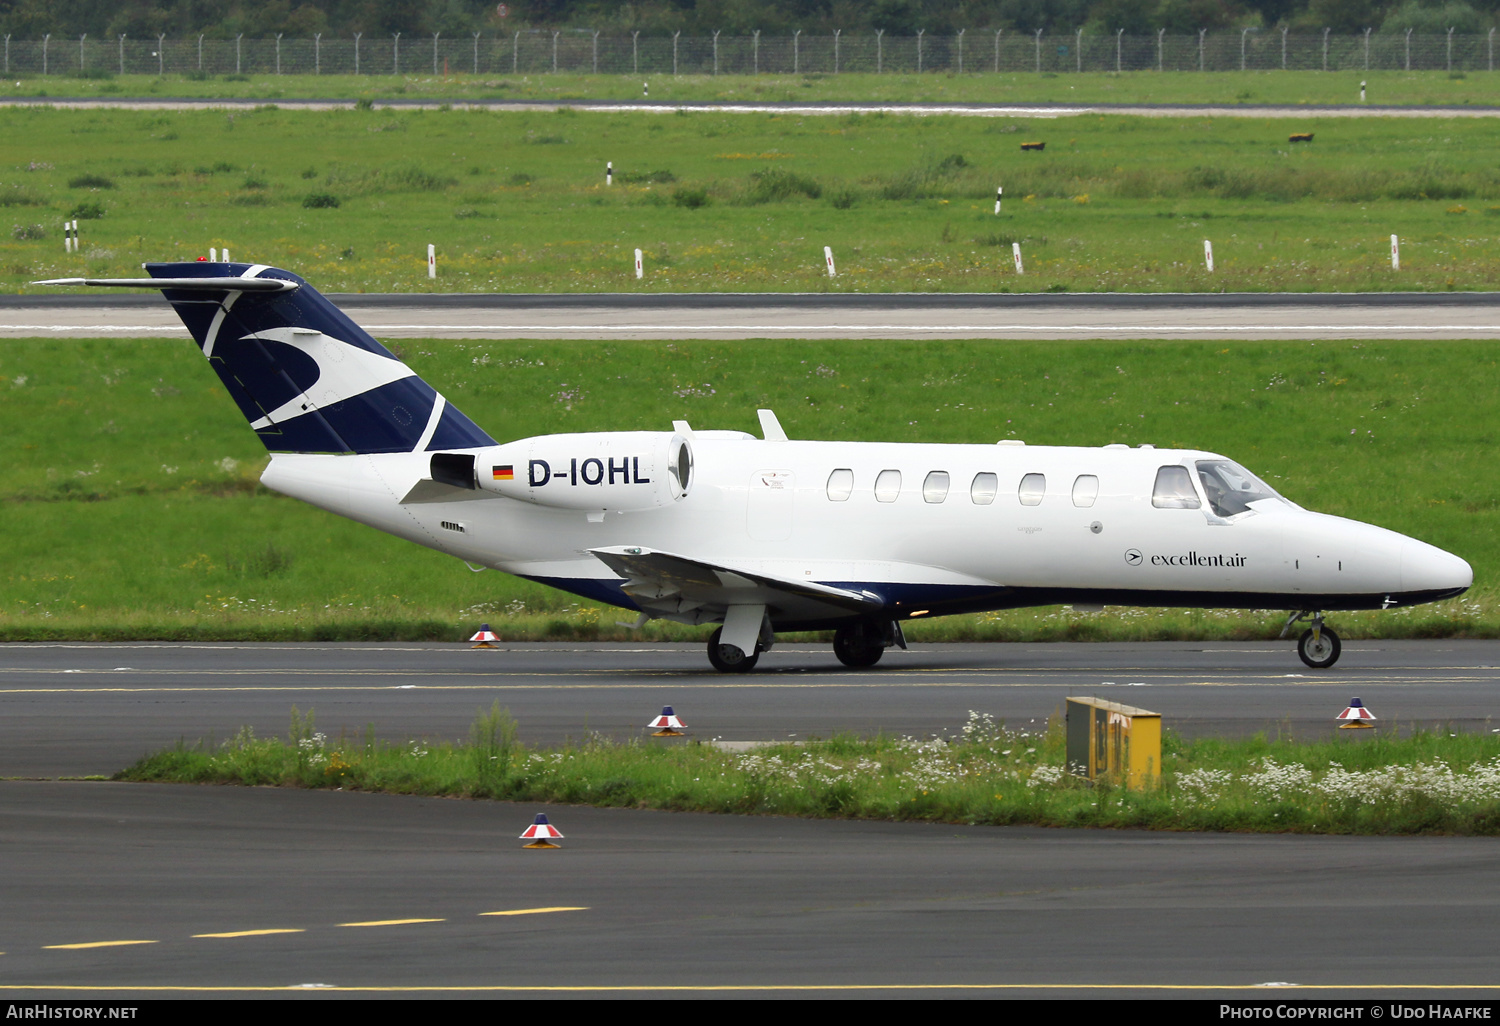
pixel 621 471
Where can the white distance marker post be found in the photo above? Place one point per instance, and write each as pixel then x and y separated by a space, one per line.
pixel 999 191
pixel 609 172
pixel 828 258
pixel 645 88
pixel 225 254
pixel 67 236
pixel 640 271
pixel 1208 255
pixel 1395 253
pixel 213 254
pixel 1361 92
pixel 431 261
pixel 1015 251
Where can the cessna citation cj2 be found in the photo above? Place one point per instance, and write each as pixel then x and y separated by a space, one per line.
pixel 772 534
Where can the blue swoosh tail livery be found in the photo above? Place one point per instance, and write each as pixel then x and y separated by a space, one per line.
pixel 307 377
pixel 771 534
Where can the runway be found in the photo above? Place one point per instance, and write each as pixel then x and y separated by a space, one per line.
pixel 1220 317
pixel 155 890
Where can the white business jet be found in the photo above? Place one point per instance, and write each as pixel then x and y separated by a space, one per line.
pixel 772 534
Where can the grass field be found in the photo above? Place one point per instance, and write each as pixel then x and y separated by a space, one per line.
pixel 719 202
pixel 131 507
pixel 982 772
pixel 1228 87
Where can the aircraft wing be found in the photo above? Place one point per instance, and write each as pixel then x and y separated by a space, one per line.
pixel 676 586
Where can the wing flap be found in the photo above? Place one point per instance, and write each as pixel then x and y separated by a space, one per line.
pixel 667 583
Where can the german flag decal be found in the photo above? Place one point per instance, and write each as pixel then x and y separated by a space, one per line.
pixel 505 473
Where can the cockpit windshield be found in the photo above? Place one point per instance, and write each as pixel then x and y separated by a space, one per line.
pixel 1230 487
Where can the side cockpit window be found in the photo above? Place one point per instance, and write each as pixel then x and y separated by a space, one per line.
pixel 1230 487
pixel 1174 489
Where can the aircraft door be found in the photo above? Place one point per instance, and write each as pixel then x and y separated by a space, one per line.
pixel 769 505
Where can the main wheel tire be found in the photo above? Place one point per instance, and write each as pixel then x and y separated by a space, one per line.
pixel 730 658
pixel 858 645
pixel 1323 652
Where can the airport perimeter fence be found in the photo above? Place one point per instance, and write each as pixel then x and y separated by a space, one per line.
pixel 540 51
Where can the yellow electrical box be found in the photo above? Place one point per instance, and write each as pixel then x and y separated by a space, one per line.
pixel 1114 742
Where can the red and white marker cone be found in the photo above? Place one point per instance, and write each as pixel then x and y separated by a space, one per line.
pixel 541 833
pixel 484 636
pixel 1355 715
pixel 667 724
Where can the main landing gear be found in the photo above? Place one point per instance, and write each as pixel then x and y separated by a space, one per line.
pixel 1319 646
pixel 731 658
pixel 863 642
pixel 858 644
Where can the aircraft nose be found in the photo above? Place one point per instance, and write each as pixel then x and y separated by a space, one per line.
pixel 1428 568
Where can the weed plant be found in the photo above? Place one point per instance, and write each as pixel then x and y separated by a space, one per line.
pixel 516 201
pixel 983 773
pixel 132 506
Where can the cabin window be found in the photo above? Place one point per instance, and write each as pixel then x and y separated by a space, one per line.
pixel 1230 487
pixel 888 486
pixel 1033 487
pixel 983 490
pixel 1174 489
pixel 1085 490
pixel 935 488
pixel 840 485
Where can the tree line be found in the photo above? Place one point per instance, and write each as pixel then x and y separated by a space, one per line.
pixel 31 19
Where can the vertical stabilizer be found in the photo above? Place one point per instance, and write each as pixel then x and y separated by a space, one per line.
pixel 306 376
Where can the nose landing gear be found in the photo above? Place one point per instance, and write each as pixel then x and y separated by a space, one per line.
pixel 1319 646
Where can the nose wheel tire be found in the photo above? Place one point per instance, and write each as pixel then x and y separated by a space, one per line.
pixel 859 645
pixel 1319 653
pixel 730 658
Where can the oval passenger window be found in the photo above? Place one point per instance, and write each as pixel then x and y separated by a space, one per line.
pixel 1033 487
pixel 888 486
pixel 1174 489
pixel 983 490
pixel 840 485
pixel 1085 490
pixel 935 488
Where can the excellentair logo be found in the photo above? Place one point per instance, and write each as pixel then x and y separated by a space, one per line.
pixel 1193 559
pixel 591 471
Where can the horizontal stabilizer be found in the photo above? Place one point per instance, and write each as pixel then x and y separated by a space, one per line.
pixel 664 583
pixel 188 284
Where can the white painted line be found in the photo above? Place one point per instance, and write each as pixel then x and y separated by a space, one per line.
pixel 102 329
pixel 835 108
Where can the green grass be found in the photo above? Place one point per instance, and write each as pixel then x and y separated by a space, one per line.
pixel 1374 783
pixel 515 202
pixel 1223 87
pixel 131 507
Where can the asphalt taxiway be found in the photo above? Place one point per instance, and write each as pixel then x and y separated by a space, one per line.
pixel 76 709
pixel 133 890
pixel 1219 317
